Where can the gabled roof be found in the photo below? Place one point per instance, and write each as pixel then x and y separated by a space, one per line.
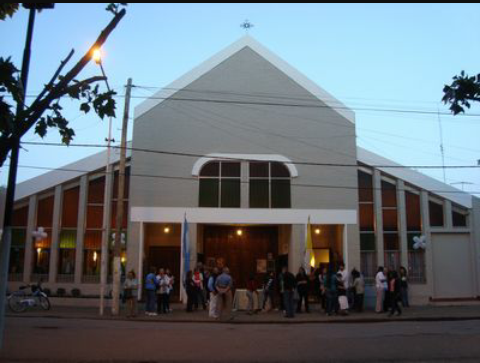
pixel 245 41
pixel 416 178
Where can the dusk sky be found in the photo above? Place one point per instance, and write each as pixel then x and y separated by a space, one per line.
pixel 375 57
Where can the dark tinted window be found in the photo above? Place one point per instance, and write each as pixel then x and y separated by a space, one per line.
pixel 258 170
pixel 436 214
pixel 281 193
pixel 365 191
pixel 208 193
pixel 211 169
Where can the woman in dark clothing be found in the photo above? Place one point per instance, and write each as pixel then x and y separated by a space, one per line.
pixel 303 285
pixel 394 286
pixel 404 287
pixel 191 290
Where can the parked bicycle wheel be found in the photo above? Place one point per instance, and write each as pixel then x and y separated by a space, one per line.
pixel 16 303
pixel 44 302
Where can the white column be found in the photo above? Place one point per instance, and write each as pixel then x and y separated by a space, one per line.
pixel 31 225
pixel 82 212
pixel 345 248
pixel 402 223
pixel 244 185
pixel 377 206
pixel 424 209
pixel 141 252
pixel 447 207
pixel 296 247
pixel 54 247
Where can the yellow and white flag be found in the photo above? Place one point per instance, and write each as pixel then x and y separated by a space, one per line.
pixel 309 259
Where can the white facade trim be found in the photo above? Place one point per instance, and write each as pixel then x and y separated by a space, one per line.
pixel 243 216
pixel 245 41
pixel 232 157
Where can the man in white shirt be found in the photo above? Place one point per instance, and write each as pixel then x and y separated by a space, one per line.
pixel 346 282
pixel 380 287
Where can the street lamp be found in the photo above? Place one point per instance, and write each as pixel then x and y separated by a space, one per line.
pixel 97 58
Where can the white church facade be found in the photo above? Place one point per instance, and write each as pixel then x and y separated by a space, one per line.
pixel 248 150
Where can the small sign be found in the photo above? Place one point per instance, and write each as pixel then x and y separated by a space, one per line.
pixel 261 266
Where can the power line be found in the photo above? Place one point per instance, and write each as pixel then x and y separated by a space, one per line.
pixel 195 179
pixel 242 102
pixel 310 163
pixel 305 105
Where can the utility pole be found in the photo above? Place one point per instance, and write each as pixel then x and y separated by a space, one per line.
pixel 12 173
pixel 117 249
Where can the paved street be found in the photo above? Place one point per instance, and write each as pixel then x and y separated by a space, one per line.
pixel 58 340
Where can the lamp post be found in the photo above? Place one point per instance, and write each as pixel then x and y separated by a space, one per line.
pixel 97 57
pixel 12 172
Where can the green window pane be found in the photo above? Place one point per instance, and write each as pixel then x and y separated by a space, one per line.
pixel 230 193
pixel 18 237
pixel 259 193
pixel 390 242
pixel 68 239
pixel 280 193
pixel 208 193
pixel 367 242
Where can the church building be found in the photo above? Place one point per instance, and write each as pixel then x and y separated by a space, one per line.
pixel 249 151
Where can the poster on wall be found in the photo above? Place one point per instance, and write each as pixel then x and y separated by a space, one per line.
pixel 261 266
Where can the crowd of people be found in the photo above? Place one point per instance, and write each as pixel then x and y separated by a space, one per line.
pixel 337 291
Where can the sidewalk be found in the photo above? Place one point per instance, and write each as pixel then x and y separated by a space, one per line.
pixel 416 313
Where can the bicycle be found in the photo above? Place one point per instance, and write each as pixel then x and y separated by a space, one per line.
pixel 19 301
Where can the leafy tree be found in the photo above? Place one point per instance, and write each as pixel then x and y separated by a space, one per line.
pixel 463 90
pixel 45 112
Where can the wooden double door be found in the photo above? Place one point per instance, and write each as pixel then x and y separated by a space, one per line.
pixel 224 246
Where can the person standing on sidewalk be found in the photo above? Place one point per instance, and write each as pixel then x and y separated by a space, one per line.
pixel 224 284
pixel 331 293
pixel 198 281
pixel 269 291
pixel 395 294
pixel 359 287
pixel 380 281
pixel 191 292
pixel 150 288
pixel 404 287
pixel 171 282
pixel 289 290
pixel 130 288
pixel 303 286
pixel 162 292
pixel 213 307
pixel 251 290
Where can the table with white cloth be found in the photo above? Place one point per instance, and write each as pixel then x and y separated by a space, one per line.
pixel 240 300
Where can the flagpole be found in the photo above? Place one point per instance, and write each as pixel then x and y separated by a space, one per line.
pixel 182 263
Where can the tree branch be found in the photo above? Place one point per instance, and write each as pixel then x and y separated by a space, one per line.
pixel 50 84
pixel 42 105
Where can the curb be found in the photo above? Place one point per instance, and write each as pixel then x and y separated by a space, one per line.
pixel 262 322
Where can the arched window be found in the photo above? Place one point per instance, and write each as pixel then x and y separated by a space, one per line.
pixel 269 185
pixel 220 185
